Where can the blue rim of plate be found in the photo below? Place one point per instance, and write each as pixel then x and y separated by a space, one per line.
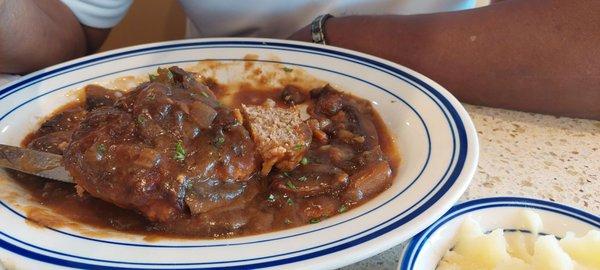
pixel 445 105
pixel 414 247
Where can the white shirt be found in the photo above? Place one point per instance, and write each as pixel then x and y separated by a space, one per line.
pixel 281 18
pixel 259 18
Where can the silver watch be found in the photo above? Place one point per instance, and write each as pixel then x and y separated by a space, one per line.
pixel 317 29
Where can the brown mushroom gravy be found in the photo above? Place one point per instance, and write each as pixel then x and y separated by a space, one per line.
pixel 168 158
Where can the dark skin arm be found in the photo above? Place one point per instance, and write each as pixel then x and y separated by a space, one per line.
pixel 536 55
pixel 35 34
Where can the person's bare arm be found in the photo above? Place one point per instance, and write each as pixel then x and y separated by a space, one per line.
pixel 35 34
pixel 531 55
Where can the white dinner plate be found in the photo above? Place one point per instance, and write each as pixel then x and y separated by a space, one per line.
pixel 434 134
pixel 427 248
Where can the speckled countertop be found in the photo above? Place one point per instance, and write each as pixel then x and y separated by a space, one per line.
pixel 526 154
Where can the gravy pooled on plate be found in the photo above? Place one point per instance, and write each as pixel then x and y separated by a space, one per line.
pixel 168 158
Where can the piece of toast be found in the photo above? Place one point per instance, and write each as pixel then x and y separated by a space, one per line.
pixel 282 138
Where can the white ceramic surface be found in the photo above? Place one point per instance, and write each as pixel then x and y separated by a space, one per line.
pixel 427 248
pixel 435 136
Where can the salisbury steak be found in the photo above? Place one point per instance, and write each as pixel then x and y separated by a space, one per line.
pixel 167 149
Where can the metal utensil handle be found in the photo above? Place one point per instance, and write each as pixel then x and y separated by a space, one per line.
pixel 29 161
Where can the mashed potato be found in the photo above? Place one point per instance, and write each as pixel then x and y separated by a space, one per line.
pixel 477 250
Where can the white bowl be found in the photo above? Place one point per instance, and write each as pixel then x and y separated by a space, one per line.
pixel 436 137
pixel 427 248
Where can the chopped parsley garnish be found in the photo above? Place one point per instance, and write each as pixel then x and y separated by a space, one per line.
pixel 169 75
pixel 298 147
pixel 286 174
pixel 304 161
pixel 219 141
pixel 204 94
pixel 287 221
pixel 314 220
pixel 287 69
pixel 271 198
pixel 302 178
pixel 343 208
pixel 289 201
pixel 152 77
pixel 141 119
pixel 179 151
pixel 101 149
pixel 291 185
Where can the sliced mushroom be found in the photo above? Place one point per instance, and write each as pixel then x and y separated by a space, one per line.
pixel 317 208
pixel 312 180
pixel 361 124
pixel 202 114
pixel 204 195
pixel 98 96
pixel 329 101
pixel 367 182
pixel 292 95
